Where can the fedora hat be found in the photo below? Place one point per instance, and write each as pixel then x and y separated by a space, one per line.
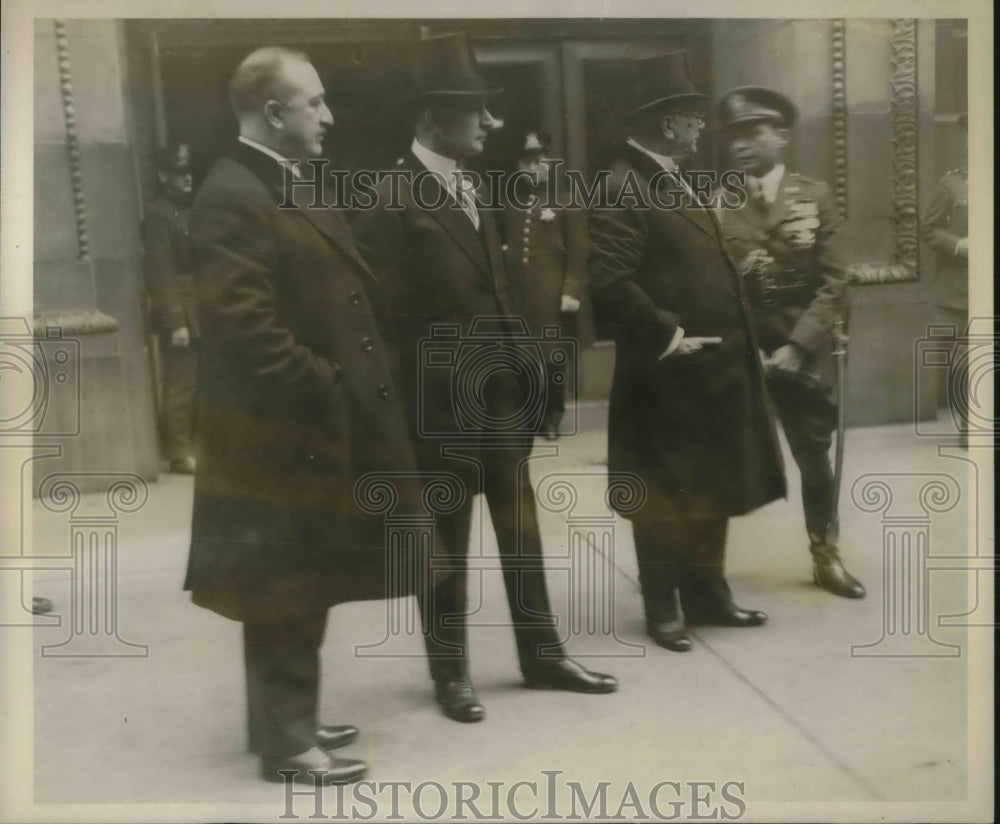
pixel 749 103
pixel 175 159
pixel 446 65
pixel 658 80
pixel 534 143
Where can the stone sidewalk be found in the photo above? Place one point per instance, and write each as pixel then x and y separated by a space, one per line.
pixel 788 711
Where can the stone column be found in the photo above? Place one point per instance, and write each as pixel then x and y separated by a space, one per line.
pixel 87 274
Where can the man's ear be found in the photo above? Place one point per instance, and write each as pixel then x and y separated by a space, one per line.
pixel 782 137
pixel 667 126
pixel 162 177
pixel 272 113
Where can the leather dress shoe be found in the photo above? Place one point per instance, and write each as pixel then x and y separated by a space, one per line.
pixel 568 675
pixel 314 766
pixel 183 466
pixel 730 615
pixel 670 635
pixel 458 701
pixel 829 572
pixel 340 735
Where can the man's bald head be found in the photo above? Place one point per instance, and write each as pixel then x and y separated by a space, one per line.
pixel 260 77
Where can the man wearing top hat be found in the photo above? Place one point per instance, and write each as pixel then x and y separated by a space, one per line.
pixel 786 240
pixel 439 264
pixel 688 410
pixel 173 308
pixel 542 290
pixel 946 231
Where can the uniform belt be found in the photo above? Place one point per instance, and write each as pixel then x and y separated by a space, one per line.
pixel 785 289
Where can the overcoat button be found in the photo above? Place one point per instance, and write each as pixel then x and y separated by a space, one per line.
pixel 367 345
pixel 355 298
pixel 383 391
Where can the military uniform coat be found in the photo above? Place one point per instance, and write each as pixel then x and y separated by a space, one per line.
pixel 947 222
pixel 800 297
pixel 168 267
pixel 697 429
pixel 295 400
pixel 535 259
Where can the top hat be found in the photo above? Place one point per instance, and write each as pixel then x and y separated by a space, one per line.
pixel 751 103
pixel 534 143
pixel 446 65
pixel 963 120
pixel 660 79
pixel 175 159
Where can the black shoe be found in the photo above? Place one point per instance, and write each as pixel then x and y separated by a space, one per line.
pixel 39 606
pixel 312 767
pixel 568 675
pixel 670 635
pixel 729 615
pixel 182 466
pixel 829 572
pixel 458 701
pixel 340 735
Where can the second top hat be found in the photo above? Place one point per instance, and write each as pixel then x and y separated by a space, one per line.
pixel 446 65
pixel 660 79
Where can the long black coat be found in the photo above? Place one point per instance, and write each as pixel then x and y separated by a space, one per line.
pixel 436 270
pixel 698 429
pixel 295 402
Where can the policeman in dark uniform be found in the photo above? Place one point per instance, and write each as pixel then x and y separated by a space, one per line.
pixel 946 231
pixel 541 288
pixel 173 310
pixel 785 241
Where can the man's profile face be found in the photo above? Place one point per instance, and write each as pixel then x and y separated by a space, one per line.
pixel 178 185
pixel 686 127
pixel 756 146
pixel 462 126
pixel 303 111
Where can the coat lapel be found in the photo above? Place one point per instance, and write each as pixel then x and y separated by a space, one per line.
pixel 699 217
pixel 329 222
pixel 452 218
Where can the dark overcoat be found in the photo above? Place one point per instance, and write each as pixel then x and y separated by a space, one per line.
pixel 295 402
pixel 698 429
pixel 465 380
pixel 799 298
pixel 168 267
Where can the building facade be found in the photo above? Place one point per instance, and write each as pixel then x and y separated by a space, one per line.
pixel 878 99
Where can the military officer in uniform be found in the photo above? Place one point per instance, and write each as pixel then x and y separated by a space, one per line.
pixel 541 288
pixel 946 231
pixel 785 241
pixel 173 310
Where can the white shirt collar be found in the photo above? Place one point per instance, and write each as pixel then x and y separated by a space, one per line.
pixel 260 147
pixel 665 161
pixel 444 166
pixel 770 182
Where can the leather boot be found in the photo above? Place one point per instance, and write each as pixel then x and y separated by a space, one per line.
pixel 829 572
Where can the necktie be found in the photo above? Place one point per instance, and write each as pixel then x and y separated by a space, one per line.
pixel 465 194
pixel 756 189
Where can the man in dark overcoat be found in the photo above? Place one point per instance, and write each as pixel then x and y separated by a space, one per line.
pixel 444 300
pixel 785 238
pixel 173 309
pixel 542 289
pixel 688 411
pixel 296 402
